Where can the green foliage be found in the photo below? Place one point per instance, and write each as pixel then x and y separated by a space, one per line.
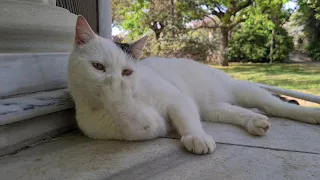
pixel 192 45
pixel 117 7
pixel 251 42
pixel 314 50
pixel 251 23
pixel 311 7
pixel 309 17
pixel 132 16
pixel 283 45
pixel 143 16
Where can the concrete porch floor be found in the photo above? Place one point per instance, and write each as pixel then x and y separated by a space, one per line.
pixel 290 150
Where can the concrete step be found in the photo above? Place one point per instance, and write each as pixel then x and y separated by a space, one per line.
pixel 290 150
pixel 29 118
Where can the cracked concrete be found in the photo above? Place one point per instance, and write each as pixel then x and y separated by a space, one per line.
pixel 283 135
pixel 289 151
pixel 275 149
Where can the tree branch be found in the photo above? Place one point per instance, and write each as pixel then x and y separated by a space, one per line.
pixel 240 6
pixel 244 4
pixel 204 25
pixel 236 22
pixel 218 13
pixel 215 22
pixel 266 8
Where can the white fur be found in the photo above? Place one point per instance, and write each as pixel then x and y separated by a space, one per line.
pixel 165 93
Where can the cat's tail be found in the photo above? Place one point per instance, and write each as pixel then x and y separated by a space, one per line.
pixel 250 95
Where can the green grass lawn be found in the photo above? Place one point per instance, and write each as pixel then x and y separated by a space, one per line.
pixel 298 77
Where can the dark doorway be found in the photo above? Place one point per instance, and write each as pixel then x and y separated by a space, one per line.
pixel 86 8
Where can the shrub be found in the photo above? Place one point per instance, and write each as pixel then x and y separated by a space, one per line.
pixel 283 45
pixel 190 46
pixel 252 43
pixel 314 50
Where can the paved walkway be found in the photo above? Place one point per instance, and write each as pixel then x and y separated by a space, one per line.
pixel 290 150
pixel 298 57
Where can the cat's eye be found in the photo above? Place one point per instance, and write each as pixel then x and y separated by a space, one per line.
pixel 127 72
pixel 98 66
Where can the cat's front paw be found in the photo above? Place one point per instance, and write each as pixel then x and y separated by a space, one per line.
pixel 199 144
pixel 258 125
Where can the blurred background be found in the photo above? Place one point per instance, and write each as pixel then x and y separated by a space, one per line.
pixel 246 30
pixel 275 42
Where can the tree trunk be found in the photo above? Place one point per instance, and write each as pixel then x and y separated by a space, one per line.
pixel 172 18
pixel 223 59
pixel 273 38
pixel 157 35
pixel 272 45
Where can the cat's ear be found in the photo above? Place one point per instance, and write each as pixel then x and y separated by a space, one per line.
pixel 137 46
pixel 84 33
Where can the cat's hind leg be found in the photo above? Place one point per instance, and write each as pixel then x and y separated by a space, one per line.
pixel 256 124
pixel 251 96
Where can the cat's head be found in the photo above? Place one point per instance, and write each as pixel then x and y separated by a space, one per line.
pixel 93 58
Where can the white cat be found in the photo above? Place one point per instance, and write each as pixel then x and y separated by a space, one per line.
pixel 118 97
